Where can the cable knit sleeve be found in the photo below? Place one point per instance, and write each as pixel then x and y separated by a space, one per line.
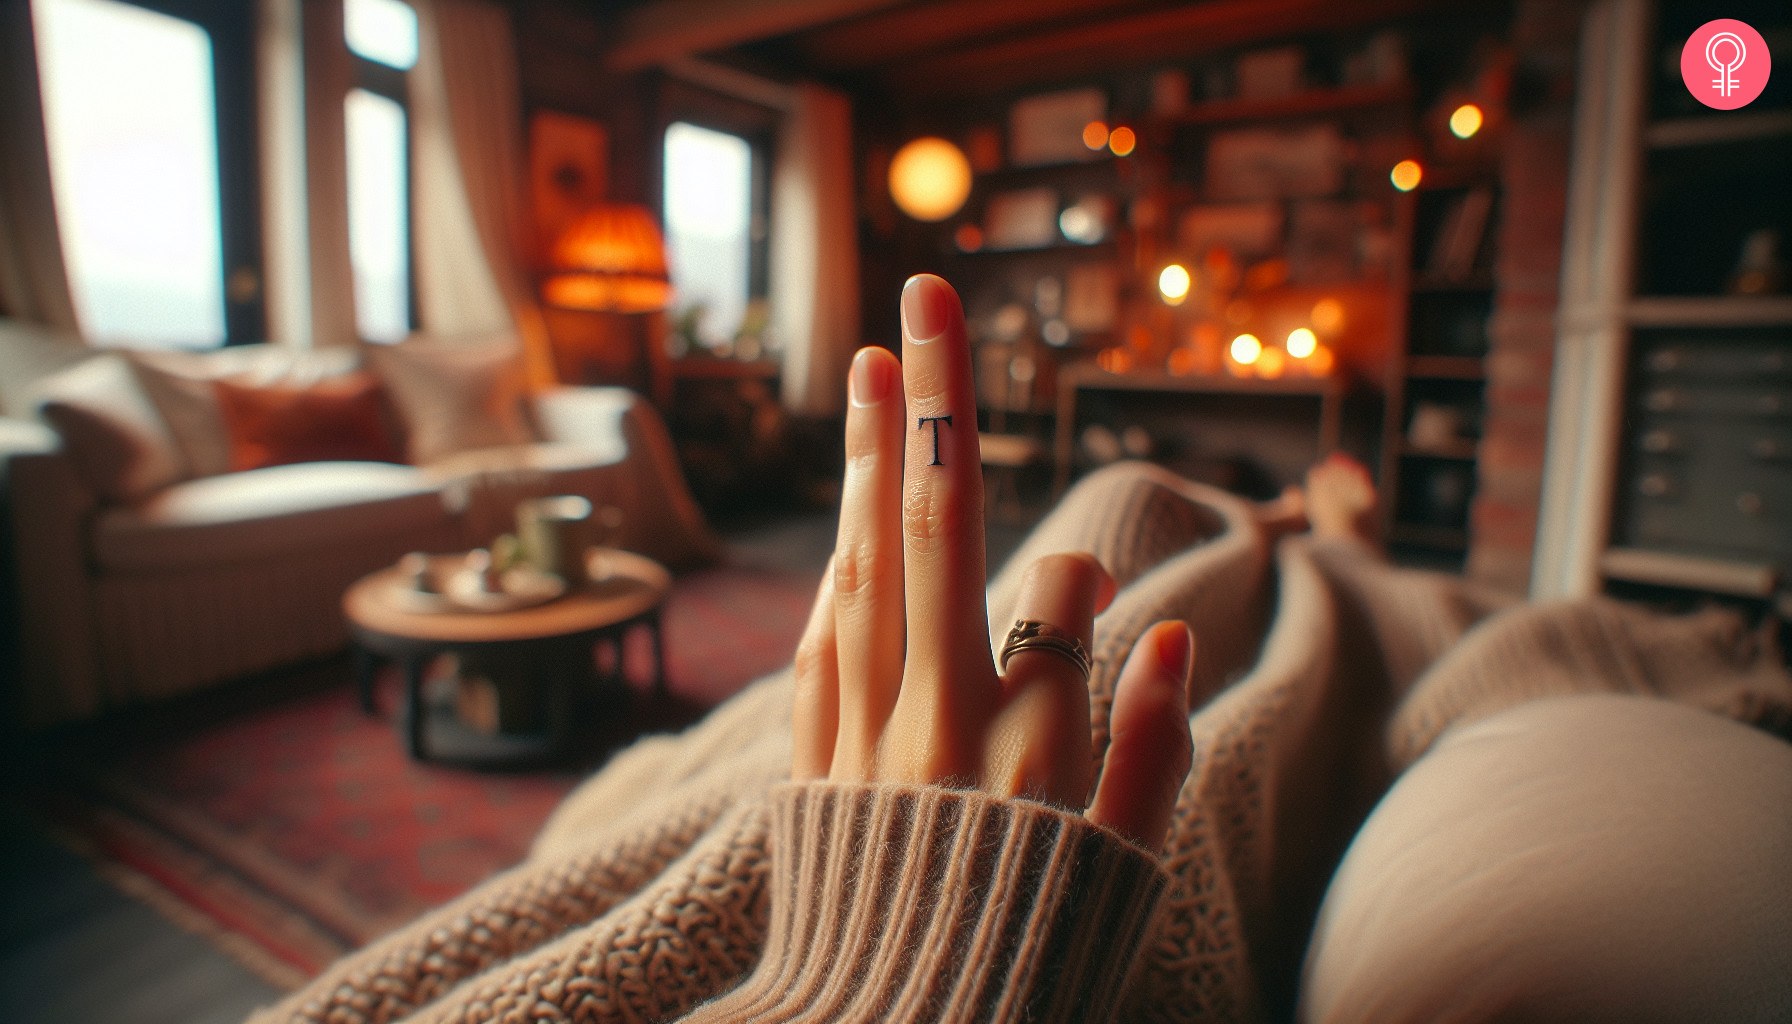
pixel 911 904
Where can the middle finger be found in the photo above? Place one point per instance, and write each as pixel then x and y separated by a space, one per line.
pixel 949 669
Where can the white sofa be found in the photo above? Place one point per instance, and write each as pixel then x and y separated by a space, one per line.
pixel 207 577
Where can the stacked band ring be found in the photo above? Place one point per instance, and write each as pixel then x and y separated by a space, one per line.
pixel 1028 635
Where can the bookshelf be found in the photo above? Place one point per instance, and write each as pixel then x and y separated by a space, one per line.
pixel 1669 466
pixel 1436 381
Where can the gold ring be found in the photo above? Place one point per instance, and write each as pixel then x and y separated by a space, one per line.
pixel 1038 636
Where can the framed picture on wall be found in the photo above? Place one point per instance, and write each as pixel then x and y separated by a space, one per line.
pixel 1048 129
pixel 569 170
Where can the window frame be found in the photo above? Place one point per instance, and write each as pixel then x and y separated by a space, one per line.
pixel 393 84
pixel 758 126
pixel 231 27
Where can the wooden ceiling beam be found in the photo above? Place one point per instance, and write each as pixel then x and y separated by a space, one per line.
pixel 665 30
pixel 1129 41
pixel 888 36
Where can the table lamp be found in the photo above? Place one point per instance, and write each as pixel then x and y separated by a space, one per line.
pixel 611 260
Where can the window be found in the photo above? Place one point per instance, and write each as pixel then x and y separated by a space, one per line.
pixel 382 37
pixel 381 30
pixel 709 219
pixel 131 122
pixel 378 225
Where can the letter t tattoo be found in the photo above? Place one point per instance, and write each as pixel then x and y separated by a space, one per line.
pixel 935 420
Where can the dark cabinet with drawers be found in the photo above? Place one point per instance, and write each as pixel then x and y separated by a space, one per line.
pixel 1709 445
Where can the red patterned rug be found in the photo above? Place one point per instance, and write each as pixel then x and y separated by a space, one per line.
pixel 279 818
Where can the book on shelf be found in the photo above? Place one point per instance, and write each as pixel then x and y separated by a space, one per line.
pixel 1459 236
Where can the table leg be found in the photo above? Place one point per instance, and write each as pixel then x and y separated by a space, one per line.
pixel 659 654
pixel 1331 420
pixel 364 665
pixel 414 711
pixel 1064 436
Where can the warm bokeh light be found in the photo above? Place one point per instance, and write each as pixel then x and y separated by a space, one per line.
pixel 1095 135
pixel 1246 348
pixel 930 179
pixel 1328 316
pixel 968 237
pixel 1320 363
pixel 1173 283
pixel 1266 275
pixel 1121 141
pixel 1183 361
pixel 1270 363
pixel 1465 121
pixel 1301 343
pixel 1114 360
pixel 1406 175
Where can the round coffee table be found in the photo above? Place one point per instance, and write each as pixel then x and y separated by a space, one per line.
pixel 544 657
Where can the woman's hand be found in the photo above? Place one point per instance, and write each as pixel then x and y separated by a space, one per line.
pixel 895 682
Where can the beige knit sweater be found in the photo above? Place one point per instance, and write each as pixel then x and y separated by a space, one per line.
pixel 688 881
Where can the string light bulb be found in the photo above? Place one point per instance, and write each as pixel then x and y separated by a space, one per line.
pixel 1465 120
pixel 1245 349
pixel 1302 342
pixel 1173 284
pixel 1406 175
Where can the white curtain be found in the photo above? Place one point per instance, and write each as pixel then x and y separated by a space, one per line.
pixel 33 281
pixel 814 250
pixel 470 221
pixel 280 105
pixel 328 76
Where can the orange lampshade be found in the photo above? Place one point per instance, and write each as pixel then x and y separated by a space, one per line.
pixel 611 259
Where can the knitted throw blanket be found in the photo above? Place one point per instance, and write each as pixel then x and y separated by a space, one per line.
pixel 688 880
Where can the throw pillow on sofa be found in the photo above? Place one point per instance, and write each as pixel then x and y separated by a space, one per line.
pixel 113 432
pixel 180 385
pixel 455 395
pixel 340 418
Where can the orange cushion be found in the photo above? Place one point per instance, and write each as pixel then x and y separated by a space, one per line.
pixel 340 418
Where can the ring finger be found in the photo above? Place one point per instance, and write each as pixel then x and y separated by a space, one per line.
pixel 1039 745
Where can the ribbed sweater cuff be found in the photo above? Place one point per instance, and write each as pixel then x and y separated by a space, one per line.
pixel 894 903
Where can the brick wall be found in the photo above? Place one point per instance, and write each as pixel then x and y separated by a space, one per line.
pixel 1522 334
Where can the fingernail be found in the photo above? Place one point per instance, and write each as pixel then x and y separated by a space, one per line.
pixel 1174 650
pixel 870 380
pixel 926 308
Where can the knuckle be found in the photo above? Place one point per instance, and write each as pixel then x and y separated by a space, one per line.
pixel 930 516
pixel 814 658
pixel 923 383
pixel 862 456
pixel 1076 565
pixel 856 568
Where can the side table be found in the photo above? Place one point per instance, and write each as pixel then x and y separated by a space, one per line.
pixel 549 650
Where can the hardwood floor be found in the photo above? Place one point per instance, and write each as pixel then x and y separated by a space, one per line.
pixel 74 948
